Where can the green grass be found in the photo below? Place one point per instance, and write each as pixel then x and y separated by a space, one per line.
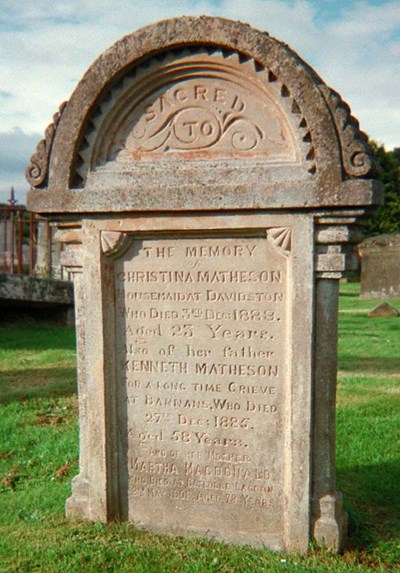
pixel 368 426
pixel 38 458
pixel 36 361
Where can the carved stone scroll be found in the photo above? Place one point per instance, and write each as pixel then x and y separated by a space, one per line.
pixel 37 171
pixel 357 154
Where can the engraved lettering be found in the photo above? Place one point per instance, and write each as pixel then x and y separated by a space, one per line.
pixel 206 387
pixel 265 408
pixel 186 277
pixel 144 466
pixel 156 313
pixel 246 352
pixel 218 332
pixel 150 113
pixel 235 296
pixel 158 366
pixel 164 296
pixel 248 389
pixel 144 330
pixel 220 95
pixel 200 92
pixel 201 341
pixel 230 457
pixel 164 104
pixel 190 128
pixel 225 404
pixel 199 352
pixel 189 421
pixel 172 402
pixel 238 104
pixel 181 95
pixel 198 251
pixel 260 370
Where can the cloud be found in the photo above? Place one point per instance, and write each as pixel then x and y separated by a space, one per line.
pixel 47 45
pixel 16 147
pixel 5 95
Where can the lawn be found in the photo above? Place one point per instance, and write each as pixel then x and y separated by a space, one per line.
pixel 38 458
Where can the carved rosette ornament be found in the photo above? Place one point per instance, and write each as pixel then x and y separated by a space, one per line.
pixel 37 171
pixel 357 154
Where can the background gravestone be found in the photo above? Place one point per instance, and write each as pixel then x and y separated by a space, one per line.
pixel 206 185
pixel 380 267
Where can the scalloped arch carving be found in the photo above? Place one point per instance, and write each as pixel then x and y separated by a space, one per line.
pixel 195 104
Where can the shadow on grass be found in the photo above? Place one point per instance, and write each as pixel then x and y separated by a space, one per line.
pixel 372 500
pixel 372 364
pixel 378 325
pixel 18 385
pixel 349 294
pixel 31 335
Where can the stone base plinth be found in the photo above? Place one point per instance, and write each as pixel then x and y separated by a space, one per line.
pixel 331 522
pixel 78 504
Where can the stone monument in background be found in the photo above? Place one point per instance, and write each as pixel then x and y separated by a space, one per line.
pixel 206 185
pixel 380 267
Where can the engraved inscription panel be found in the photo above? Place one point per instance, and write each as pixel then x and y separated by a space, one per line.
pixel 198 105
pixel 200 346
pixel 208 115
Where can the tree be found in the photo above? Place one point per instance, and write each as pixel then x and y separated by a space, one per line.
pixel 387 218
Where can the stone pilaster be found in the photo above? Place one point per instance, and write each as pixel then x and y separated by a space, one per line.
pixel 335 237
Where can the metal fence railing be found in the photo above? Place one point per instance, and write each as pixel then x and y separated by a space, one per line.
pixel 18 238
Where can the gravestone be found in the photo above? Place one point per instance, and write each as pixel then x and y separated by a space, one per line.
pixel 380 267
pixel 206 185
pixel 383 310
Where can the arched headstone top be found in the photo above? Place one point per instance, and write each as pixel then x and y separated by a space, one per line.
pixel 204 98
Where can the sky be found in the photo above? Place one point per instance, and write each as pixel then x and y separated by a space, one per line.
pixel 46 46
